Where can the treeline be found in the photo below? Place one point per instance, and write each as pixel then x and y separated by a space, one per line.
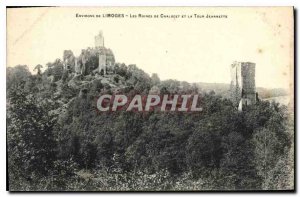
pixel 58 141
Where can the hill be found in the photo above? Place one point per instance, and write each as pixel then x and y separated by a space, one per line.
pixel 57 140
pixel 223 90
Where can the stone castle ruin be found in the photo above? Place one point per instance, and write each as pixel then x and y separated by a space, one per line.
pixel 101 61
pixel 242 86
pixel 98 60
pixel 106 57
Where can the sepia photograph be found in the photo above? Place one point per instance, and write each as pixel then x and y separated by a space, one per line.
pixel 170 99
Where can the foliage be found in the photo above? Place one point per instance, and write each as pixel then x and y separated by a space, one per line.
pixel 31 143
pixel 58 141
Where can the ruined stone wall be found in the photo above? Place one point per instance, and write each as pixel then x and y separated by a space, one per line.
pixel 102 63
pixel 77 66
pixel 236 83
pixel 110 58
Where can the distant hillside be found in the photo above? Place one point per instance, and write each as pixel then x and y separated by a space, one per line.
pixel 222 89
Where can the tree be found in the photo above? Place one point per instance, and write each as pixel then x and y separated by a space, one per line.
pixel 38 68
pixel 55 69
pixel 69 59
pixel 155 79
pixel 121 69
pixel 270 145
pixel 204 149
pixel 31 143
pixel 16 76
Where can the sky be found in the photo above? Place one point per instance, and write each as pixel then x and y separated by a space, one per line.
pixel 186 49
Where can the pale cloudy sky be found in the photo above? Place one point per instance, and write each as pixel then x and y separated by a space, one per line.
pixel 194 50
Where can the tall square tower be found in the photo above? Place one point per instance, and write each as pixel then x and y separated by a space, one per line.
pixel 99 40
pixel 242 86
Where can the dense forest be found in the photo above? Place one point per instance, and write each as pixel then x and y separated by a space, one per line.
pixel 57 140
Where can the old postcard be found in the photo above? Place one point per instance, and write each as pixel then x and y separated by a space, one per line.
pixel 150 98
